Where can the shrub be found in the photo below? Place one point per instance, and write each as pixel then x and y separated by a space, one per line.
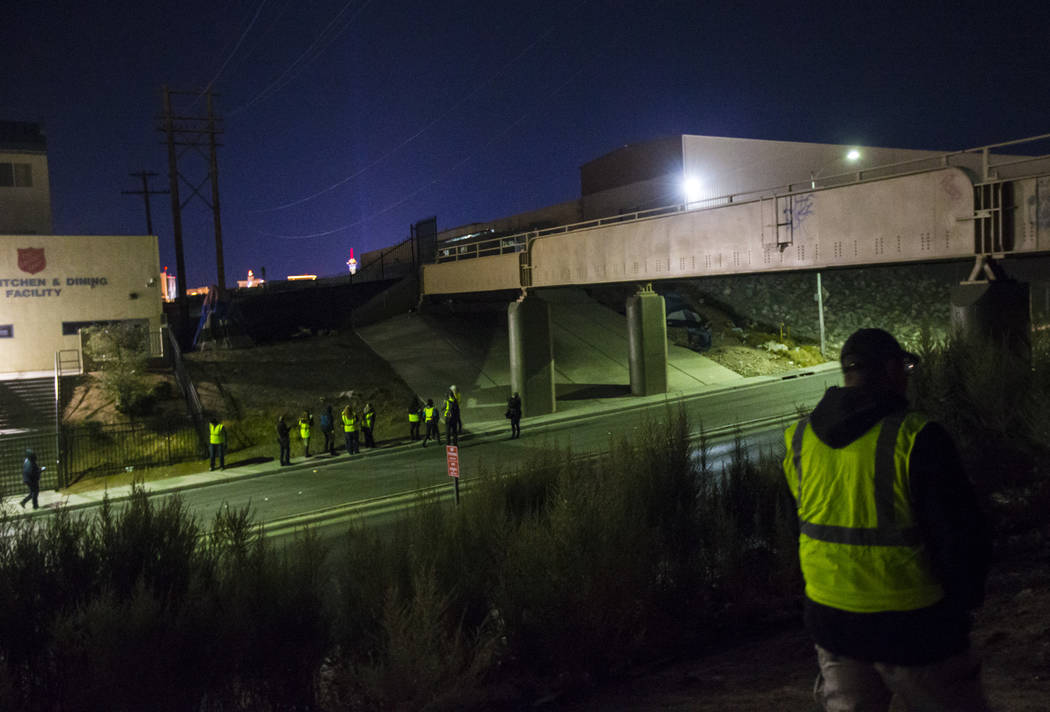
pixel 121 351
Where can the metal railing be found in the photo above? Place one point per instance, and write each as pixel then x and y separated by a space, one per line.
pixel 12 454
pixel 981 156
pixel 102 450
pixel 68 362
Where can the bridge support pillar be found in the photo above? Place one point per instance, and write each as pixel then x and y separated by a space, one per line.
pixel 996 311
pixel 531 354
pixel 647 342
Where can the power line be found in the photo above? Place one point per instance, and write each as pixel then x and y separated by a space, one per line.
pixel 343 181
pixel 235 48
pixel 311 53
pixel 434 181
pixel 145 193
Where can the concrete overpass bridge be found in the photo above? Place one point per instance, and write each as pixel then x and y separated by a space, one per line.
pixel 979 204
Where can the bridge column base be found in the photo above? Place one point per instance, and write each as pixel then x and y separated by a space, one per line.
pixel 996 310
pixel 647 342
pixel 532 354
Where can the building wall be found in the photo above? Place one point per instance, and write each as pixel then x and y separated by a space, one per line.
pixel 725 166
pixel 50 284
pixel 550 216
pixel 24 209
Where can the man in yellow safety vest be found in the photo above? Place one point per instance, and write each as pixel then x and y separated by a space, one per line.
pixel 350 429
pixel 217 442
pixel 893 548
pixel 430 418
pixel 415 415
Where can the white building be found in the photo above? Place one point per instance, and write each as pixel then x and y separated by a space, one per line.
pixel 53 285
pixel 25 191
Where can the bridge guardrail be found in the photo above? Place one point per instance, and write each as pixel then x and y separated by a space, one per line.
pixel 980 158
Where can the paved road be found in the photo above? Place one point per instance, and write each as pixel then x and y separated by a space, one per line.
pixel 332 490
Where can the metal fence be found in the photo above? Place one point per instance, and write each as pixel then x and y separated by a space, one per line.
pixel 12 455
pixel 93 450
pixel 97 451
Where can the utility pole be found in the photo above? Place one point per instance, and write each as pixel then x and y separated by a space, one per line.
pixel 213 174
pixel 145 193
pixel 176 219
pixel 185 132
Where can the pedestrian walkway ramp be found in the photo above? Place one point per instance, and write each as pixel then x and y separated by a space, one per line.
pixel 469 348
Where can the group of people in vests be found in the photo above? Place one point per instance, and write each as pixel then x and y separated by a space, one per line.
pixel 424 420
pixel 354 425
pixel 428 415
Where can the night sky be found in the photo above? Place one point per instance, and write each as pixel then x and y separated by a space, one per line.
pixel 345 122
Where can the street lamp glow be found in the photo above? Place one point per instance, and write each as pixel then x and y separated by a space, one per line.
pixel 691 189
pixel 852 156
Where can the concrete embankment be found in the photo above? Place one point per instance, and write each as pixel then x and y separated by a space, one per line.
pixel 467 345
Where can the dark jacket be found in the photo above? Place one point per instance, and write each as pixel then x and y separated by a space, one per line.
pixel 282 432
pixel 953 531
pixel 514 407
pixel 30 471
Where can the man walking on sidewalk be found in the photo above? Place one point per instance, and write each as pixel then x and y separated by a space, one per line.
pixel 31 478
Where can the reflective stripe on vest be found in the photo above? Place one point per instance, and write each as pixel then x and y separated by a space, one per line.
pixel 858 546
pixel 348 424
pixel 429 413
pixel 217 434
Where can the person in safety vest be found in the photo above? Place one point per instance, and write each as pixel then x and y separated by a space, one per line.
pixel 430 418
pixel 453 420
pixel 217 442
pixel 415 416
pixel 350 429
pixel 892 544
pixel 368 424
pixel 306 422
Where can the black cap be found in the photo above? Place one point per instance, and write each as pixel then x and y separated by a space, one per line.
pixel 871 347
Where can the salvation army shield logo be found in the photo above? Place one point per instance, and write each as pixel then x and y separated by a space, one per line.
pixel 31 259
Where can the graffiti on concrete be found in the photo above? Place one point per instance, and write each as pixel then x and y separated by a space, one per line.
pixel 950 188
pixel 802 208
pixel 1039 204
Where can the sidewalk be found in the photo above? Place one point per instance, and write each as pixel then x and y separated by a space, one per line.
pixel 51 500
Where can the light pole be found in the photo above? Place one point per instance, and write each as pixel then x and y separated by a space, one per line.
pixel 852 156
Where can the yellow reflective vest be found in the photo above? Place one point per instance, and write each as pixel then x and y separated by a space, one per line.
pixel 430 412
pixel 217 433
pixel 349 423
pixel 859 547
pixel 413 416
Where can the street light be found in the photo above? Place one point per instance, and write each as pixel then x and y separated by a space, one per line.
pixel 852 156
pixel 692 189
